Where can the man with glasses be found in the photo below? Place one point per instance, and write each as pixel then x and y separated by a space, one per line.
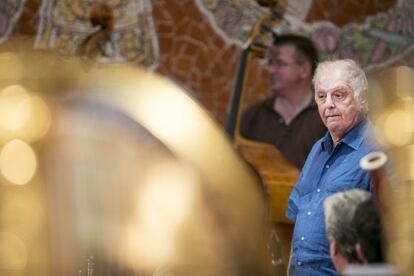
pixel 332 164
pixel 289 118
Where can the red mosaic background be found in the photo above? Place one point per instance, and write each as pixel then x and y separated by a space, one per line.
pixel 197 58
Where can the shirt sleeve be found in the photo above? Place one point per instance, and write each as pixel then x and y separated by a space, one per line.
pixel 293 202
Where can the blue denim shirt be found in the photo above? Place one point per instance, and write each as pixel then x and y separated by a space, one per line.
pixel 326 171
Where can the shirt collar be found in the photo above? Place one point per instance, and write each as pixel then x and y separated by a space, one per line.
pixel 353 138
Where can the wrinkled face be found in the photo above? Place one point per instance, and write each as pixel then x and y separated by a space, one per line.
pixel 338 108
pixel 284 71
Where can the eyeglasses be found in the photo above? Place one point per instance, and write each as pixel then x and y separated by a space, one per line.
pixel 337 96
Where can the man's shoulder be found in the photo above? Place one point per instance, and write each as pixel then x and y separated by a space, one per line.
pixel 362 138
pixel 257 109
pixel 264 103
pixel 370 141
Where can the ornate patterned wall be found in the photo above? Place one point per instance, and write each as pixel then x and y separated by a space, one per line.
pixel 197 42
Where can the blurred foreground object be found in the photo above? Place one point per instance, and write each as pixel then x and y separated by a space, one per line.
pixel 392 112
pixel 118 172
pixel 371 270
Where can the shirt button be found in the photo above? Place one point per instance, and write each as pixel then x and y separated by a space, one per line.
pixel 309 213
pixel 327 166
pixel 302 238
pixel 299 263
pixel 318 190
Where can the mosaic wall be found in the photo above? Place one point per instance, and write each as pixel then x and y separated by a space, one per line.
pixel 375 33
pixel 196 43
pixel 10 12
pixel 64 24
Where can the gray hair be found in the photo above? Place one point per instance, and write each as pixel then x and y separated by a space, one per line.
pixel 356 77
pixel 339 211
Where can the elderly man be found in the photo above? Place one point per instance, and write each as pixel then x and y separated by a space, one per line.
pixel 354 229
pixel 332 164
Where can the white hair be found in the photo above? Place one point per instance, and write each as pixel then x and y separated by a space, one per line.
pixel 357 79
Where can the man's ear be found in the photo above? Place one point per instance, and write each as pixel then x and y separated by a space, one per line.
pixel 333 247
pixel 360 254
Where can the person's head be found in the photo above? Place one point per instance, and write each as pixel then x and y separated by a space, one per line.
pixel 292 62
pixel 368 227
pixel 339 210
pixel 340 92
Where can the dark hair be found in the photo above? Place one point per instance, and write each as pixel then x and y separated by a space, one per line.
pixel 305 49
pixel 368 227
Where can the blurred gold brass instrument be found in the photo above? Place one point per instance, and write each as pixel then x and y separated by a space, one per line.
pixel 116 171
pixel 391 101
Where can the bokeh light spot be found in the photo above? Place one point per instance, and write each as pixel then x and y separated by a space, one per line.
pixel 18 162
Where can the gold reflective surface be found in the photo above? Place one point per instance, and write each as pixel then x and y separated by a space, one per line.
pixel 15 107
pixel 13 255
pixel 125 175
pixel 392 111
pixel 17 162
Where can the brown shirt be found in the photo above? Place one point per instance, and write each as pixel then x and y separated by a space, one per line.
pixel 261 123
